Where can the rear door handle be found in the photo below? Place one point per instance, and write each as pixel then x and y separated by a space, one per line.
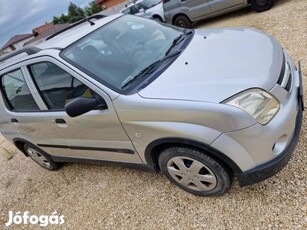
pixel 14 120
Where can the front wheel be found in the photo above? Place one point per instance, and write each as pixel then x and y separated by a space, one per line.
pixel 261 5
pixel 195 172
pixel 182 21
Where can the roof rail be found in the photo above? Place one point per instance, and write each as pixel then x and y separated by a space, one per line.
pixel 97 16
pixel 28 50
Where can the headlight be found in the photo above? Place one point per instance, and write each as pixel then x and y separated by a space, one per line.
pixel 258 103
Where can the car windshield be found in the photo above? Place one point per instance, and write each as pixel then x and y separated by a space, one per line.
pixel 151 3
pixel 121 49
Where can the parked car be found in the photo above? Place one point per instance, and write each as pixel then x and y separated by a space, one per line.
pixel 183 13
pixel 146 8
pixel 202 106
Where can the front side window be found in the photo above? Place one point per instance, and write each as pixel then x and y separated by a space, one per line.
pixel 17 93
pixel 56 86
pixel 121 49
pixel 151 3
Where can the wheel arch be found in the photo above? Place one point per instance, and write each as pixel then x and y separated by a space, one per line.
pixel 157 16
pixel 261 9
pixel 153 150
pixel 19 144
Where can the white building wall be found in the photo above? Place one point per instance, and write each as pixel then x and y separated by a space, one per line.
pixel 17 45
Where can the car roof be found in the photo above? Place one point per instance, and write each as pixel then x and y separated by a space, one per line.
pixel 69 36
pixel 57 42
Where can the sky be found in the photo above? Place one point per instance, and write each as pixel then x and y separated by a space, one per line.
pixel 21 16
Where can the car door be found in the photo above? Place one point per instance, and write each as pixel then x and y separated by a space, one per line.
pixel 195 9
pixel 96 135
pixel 221 5
pixel 22 109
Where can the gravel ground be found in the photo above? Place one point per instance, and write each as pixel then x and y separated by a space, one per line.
pixel 105 197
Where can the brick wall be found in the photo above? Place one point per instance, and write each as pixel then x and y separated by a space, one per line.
pixel 105 4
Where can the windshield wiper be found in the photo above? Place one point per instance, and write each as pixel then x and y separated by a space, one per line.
pixel 147 70
pixel 178 39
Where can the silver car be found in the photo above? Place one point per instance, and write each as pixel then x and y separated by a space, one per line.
pixel 202 106
pixel 152 9
pixel 183 13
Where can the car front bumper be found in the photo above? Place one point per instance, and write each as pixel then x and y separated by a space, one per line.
pixel 272 167
pixel 262 151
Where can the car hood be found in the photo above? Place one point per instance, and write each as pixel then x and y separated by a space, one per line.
pixel 219 63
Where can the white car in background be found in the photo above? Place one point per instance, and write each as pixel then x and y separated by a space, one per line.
pixel 146 8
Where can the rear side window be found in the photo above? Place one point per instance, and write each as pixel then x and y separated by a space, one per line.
pixel 17 93
pixel 56 86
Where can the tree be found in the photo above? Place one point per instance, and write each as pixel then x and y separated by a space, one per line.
pixel 60 20
pixel 55 20
pixel 75 13
pixel 93 8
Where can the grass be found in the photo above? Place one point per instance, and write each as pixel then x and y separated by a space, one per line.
pixel 9 155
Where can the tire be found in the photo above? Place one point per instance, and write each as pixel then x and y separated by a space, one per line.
pixel 261 5
pixel 41 158
pixel 194 171
pixel 157 18
pixel 182 21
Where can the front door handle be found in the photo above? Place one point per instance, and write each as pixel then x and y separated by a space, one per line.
pixel 60 121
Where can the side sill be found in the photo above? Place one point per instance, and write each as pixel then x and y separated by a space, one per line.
pixel 140 167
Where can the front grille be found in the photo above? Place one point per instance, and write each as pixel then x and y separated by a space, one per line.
pixel 285 77
pixel 288 86
pixel 282 72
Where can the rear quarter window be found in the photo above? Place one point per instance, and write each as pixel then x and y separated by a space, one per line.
pixel 16 92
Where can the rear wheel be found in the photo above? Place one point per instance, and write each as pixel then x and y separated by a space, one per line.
pixel 261 5
pixel 195 172
pixel 182 21
pixel 41 158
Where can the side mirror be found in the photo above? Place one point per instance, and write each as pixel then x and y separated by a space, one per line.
pixel 81 105
pixel 141 10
